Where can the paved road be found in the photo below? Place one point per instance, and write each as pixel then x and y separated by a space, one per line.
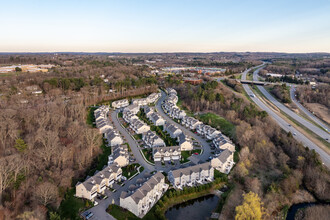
pixel 302 108
pixel 318 131
pixel 206 146
pixel 132 143
pixel 283 124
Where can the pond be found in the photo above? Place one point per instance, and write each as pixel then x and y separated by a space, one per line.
pixel 200 208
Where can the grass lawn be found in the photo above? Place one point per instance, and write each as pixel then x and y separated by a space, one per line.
pixel 90 116
pixel 120 213
pixel 138 136
pixel 218 122
pixel 148 154
pixel 186 154
pixel 130 170
pixel 71 206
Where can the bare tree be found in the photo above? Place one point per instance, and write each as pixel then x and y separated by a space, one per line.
pixel 7 169
pixel 50 143
pixel 46 193
pixel 92 139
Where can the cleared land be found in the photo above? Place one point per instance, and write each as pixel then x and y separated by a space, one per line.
pixel 319 110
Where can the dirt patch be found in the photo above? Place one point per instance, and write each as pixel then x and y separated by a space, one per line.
pixel 302 196
pixel 319 110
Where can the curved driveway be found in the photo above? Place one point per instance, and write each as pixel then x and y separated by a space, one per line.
pixel 284 125
pixel 206 146
pixel 308 113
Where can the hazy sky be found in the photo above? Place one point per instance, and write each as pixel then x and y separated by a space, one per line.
pixel 164 25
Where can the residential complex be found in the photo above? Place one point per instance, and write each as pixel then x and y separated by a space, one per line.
pixel 192 175
pixel 98 183
pixel 144 194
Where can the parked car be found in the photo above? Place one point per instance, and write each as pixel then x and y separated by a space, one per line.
pixel 89 215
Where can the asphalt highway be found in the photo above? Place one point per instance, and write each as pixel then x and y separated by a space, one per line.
pixel 283 124
pixel 318 131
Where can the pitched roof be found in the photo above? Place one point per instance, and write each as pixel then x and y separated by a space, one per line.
pixel 191 169
pixel 223 157
pixel 147 186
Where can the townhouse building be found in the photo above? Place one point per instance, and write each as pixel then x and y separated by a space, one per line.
pixel 207 131
pixel 177 113
pixel 172 130
pixel 129 116
pixel 190 122
pixel 97 183
pixel 165 154
pixel 224 162
pixel 148 111
pixel 138 126
pixel 222 143
pixel 144 194
pixel 171 91
pixel 119 155
pixel 169 106
pixel 185 142
pixel 192 175
pixel 156 119
pixel 132 108
pixel 120 103
pixel 113 138
pixel 152 140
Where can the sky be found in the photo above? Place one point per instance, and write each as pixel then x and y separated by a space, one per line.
pixel 164 26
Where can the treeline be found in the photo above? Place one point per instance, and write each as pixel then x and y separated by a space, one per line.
pixel 66 83
pixel 321 94
pixel 135 83
pixel 286 79
pixel 282 92
pixel 232 83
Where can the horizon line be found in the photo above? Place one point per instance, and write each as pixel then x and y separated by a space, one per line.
pixel 99 52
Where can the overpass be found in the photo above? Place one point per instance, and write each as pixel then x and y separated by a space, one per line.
pixel 262 83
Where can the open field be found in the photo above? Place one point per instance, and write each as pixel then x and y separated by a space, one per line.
pixel 319 110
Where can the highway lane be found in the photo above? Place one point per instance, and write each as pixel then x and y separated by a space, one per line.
pixel 206 146
pixel 285 126
pixel 318 131
pixel 308 113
